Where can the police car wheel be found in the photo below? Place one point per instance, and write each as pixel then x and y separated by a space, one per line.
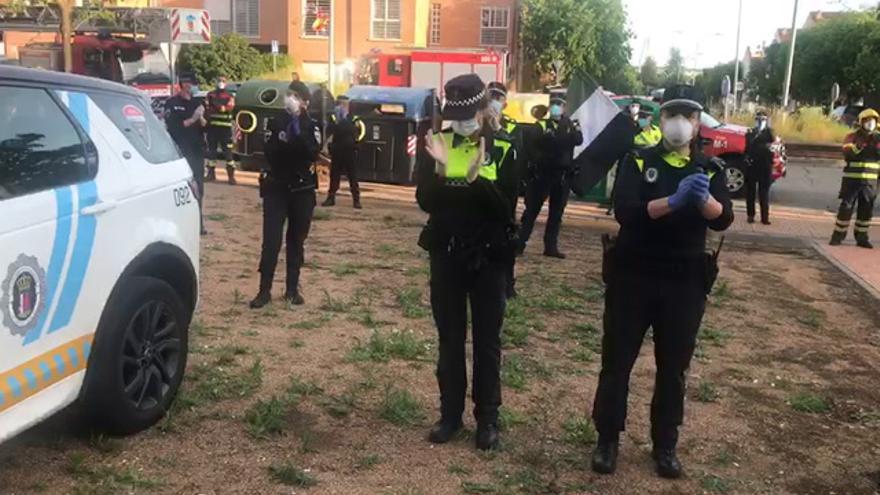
pixel 139 357
pixel 736 177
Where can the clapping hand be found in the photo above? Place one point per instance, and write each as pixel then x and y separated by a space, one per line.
pixel 684 193
pixel 436 147
pixel 700 189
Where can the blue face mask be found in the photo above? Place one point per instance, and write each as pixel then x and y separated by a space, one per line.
pixel 555 111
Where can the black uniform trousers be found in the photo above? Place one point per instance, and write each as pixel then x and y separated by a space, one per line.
pixel 858 195
pixel 671 300
pixel 220 137
pixel 296 208
pixel 758 180
pixel 543 186
pixel 344 161
pixel 452 287
pixel 196 160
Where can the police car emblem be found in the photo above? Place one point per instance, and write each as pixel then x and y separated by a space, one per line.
pixel 23 298
pixel 651 175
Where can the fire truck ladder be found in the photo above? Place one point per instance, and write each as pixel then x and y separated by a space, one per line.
pixel 47 18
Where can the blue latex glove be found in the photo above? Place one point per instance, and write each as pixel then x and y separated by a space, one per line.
pixel 684 193
pixel 700 189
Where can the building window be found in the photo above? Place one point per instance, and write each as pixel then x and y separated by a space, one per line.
pixel 495 26
pixel 435 23
pixel 316 18
pixel 246 17
pixel 385 17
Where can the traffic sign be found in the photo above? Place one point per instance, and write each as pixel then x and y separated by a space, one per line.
pixel 275 47
pixel 190 26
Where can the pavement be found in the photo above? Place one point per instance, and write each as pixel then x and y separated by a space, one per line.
pixel 811 224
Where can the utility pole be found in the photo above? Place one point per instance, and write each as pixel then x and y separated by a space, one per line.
pixel 736 60
pixel 66 7
pixel 787 87
pixel 331 59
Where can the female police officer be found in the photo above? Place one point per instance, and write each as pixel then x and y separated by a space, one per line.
pixel 466 184
pixel 659 275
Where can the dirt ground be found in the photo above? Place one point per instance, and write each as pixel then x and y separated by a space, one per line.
pixel 335 397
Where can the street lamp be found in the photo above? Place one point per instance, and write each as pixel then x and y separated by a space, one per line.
pixel 736 60
pixel 787 87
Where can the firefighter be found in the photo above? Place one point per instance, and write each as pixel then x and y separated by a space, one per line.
pixel 551 176
pixel 220 106
pixel 288 192
pixel 758 174
pixel 507 129
pixel 466 185
pixel 346 131
pixel 861 150
pixel 657 275
pixel 185 119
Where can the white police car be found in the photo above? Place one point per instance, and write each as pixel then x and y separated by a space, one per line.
pixel 99 244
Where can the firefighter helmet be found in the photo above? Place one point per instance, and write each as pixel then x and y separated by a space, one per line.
pixel 869 114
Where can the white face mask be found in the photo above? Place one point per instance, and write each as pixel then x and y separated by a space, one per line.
pixel 761 124
pixel 870 125
pixel 496 106
pixel 292 105
pixel 221 85
pixel 678 131
pixel 466 127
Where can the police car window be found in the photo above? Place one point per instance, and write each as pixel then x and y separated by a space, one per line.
pixel 139 125
pixel 40 148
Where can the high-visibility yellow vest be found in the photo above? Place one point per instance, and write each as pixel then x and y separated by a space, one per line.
pixel 649 137
pixel 460 158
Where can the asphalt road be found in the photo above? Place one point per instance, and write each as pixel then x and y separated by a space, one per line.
pixel 810 184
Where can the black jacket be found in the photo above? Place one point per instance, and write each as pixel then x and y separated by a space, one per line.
pixel 346 132
pixel 292 152
pixel 556 144
pixel 190 140
pixel 758 146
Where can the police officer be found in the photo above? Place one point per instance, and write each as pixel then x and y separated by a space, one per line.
pixel 551 176
pixel 507 129
pixel 649 134
pixel 184 117
pixel 758 174
pixel 288 191
pixel 861 150
pixel 657 275
pixel 220 106
pixel 466 186
pixel 346 131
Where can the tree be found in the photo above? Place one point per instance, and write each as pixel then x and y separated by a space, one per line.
pixel 229 55
pixel 587 35
pixel 649 75
pixel 674 73
pixel 624 81
pixel 710 79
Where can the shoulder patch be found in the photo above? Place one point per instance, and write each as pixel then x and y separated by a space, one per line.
pixel 651 175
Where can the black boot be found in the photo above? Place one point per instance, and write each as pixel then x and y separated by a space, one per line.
pixel 487 436
pixel 765 221
pixel 357 203
pixel 863 242
pixel 837 238
pixel 230 175
pixel 262 299
pixel 294 298
pixel 667 463
pixel 330 201
pixel 212 175
pixel 750 220
pixel 444 431
pixel 605 457
pixel 554 253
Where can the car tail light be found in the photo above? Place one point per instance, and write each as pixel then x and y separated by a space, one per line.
pixel 194 188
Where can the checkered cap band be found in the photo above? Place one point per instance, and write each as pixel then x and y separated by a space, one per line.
pixel 473 100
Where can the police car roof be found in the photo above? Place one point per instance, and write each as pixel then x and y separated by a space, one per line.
pixel 39 76
pixel 414 99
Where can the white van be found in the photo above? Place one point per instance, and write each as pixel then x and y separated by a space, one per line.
pixel 99 253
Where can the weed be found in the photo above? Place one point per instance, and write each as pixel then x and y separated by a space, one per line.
pixel 716 338
pixel 513 372
pixel 339 406
pixel 381 348
pixel 368 461
pixel 808 402
pixel 296 344
pixel 706 392
pixel 518 324
pixel 509 419
pixel 104 444
pixel 334 305
pixel 299 388
pixel 217 217
pixel 107 479
pixel 313 323
pixel 212 383
pixel 714 484
pixel 290 475
pixel 321 215
pixel 345 269
pixel 472 487
pixel 811 318
pixel 389 250
pixel 226 354
pixel 410 301
pixel 400 408
pixel 237 297
pixel 266 418
pixel 579 431
pixel 458 469
pixel 586 336
pixel 724 458
pixel 721 292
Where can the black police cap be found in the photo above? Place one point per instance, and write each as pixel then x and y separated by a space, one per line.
pixel 187 77
pixel 497 89
pixel 683 95
pixel 465 95
pixel 300 89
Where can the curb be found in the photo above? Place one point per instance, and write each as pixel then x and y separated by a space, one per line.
pixel 820 248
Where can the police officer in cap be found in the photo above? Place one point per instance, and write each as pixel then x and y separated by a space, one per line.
pixel 658 275
pixel 758 174
pixel 551 176
pixel 185 119
pixel 288 192
pixel 466 186
pixel 346 131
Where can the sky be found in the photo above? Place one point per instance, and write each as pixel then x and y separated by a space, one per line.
pixel 705 30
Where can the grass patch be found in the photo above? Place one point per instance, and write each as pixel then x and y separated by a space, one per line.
pixel 290 475
pixel 312 324
pixel 217 217
pixel 458 469
pixel 321 215
pixel 266 418
pixel 808 402
pixel 518 325
pixel 579 431
pixel 400 408
pixel 810 317
pixel 509 419
pixel 517 369
pixel 226 354
pixel 339 406
pixel 345 270
pixel 713 337
pixel 473 487
pixel 368 461
pixel 410 301
pixel 381 348
pixel 105 444
pixel 390 250
pixel 706 392
pixel 209 383
pixel 107 479
pixel 299 389
pixel 715 484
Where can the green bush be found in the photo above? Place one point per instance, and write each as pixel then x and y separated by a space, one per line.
pixel 229 55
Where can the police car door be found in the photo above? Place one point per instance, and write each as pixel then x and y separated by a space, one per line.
pixel 47 169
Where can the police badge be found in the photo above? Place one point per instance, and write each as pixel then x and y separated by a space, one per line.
pixel 23 297
pixel 651 175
